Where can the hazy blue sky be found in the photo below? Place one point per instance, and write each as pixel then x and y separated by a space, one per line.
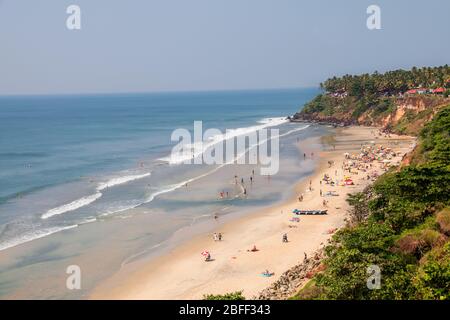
pixel 159 45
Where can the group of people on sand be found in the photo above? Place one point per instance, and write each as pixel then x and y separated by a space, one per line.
pixel 304 155
pixel 353 164
pixel 217 236
pixel 367 155
pixel 224 194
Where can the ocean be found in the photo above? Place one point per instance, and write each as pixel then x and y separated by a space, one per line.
pixel 87 179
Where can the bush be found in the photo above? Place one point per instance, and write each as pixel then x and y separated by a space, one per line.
pixel 433 278
pixel 443 219
pixel 418 243
pixel 227 296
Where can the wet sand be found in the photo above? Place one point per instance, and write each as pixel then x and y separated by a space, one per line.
pixel 182 272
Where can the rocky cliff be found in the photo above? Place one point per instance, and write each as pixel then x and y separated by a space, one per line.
pixel 406 115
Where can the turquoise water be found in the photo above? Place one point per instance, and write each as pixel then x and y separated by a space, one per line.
pixel 83 175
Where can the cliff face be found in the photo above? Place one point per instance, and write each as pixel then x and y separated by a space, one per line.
pixel 405 115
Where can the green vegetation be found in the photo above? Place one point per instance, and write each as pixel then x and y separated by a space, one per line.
pixel 372 99
pixel 402 225
pixel 389 83
pixel 227 296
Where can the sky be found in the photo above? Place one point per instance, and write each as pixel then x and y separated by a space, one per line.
pixel 201 45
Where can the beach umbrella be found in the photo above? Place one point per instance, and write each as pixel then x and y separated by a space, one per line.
pixel 205 253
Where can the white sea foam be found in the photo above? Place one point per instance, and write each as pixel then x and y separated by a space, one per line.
pixel 84 201
pixel 126 205
pixel 124 179
pixel 30 236
pixel 183 183
pixel 198 148
pixel 120 180
pixel 116 181
pixel 150 197
pixel 88 220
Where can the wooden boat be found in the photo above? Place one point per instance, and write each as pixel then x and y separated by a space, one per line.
pixel 309 212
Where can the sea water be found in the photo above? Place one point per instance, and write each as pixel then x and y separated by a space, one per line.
pixel 88 179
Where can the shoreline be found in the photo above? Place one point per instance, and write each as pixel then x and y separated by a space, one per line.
pixel 181 273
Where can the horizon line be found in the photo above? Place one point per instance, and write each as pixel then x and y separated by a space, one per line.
pixel 152 92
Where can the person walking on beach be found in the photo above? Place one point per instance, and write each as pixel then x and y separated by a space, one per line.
pixel 285 238
pixel 320 192
pixel 251 179
pixel 215 236
pixel 219 236
pixel 304 156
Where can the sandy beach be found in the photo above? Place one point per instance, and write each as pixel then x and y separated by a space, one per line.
pixel 182 273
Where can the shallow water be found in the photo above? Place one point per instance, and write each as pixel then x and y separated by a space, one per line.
pixel 86 182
